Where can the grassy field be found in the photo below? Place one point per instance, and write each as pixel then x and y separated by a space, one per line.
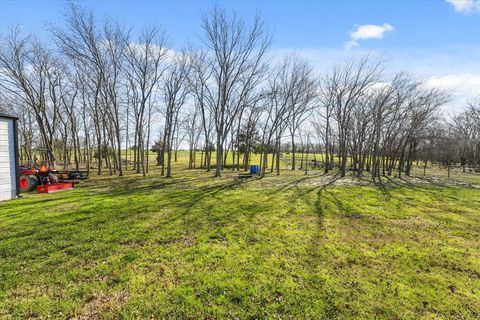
pixel 197 247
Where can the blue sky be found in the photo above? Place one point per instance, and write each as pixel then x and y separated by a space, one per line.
pixel 436 40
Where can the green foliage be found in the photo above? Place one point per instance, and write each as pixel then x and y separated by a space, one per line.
pixel 250 139
pixel 281 247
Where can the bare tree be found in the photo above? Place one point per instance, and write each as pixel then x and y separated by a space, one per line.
pixel 237 64
pixel 199 84
pixel 193 129
pixel 175 93
pixel 300 99
pixel 282 90
pixel 80 42
pixel 26 67
pixel 146 62
pixel 346 85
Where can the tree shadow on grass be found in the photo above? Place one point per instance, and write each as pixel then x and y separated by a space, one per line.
pixel 300 191
pixel 318 204
pixel 114 228
pixel 430 188
pixel 315 260
pixel 185 197
pixel 131 186
pixel 295 183
pixel 188 200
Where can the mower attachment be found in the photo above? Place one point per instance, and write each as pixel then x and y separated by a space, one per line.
pixel 50 188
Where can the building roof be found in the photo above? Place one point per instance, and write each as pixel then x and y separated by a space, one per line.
pixel 2 115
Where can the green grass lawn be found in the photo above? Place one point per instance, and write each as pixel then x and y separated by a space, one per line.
pixel 197 247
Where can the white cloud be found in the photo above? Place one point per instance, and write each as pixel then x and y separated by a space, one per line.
pixel 368 31
pixel 139 48
pixel 465 6
pixel 461 85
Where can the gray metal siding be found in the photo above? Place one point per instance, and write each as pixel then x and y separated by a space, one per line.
pixel 8 179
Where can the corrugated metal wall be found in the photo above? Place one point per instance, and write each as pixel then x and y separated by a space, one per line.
pixel 7 160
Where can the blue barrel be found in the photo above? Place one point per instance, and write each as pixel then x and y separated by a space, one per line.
pixel 254 169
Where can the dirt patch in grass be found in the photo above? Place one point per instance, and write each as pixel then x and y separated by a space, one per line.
pixel 100 305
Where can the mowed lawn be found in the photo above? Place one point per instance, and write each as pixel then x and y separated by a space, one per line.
pixel 197 247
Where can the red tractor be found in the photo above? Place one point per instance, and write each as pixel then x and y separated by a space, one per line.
pixel 46 180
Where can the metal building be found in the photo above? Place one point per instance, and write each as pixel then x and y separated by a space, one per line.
pixel 9 188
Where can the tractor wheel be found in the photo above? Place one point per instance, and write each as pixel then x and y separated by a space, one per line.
pixel 28 182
